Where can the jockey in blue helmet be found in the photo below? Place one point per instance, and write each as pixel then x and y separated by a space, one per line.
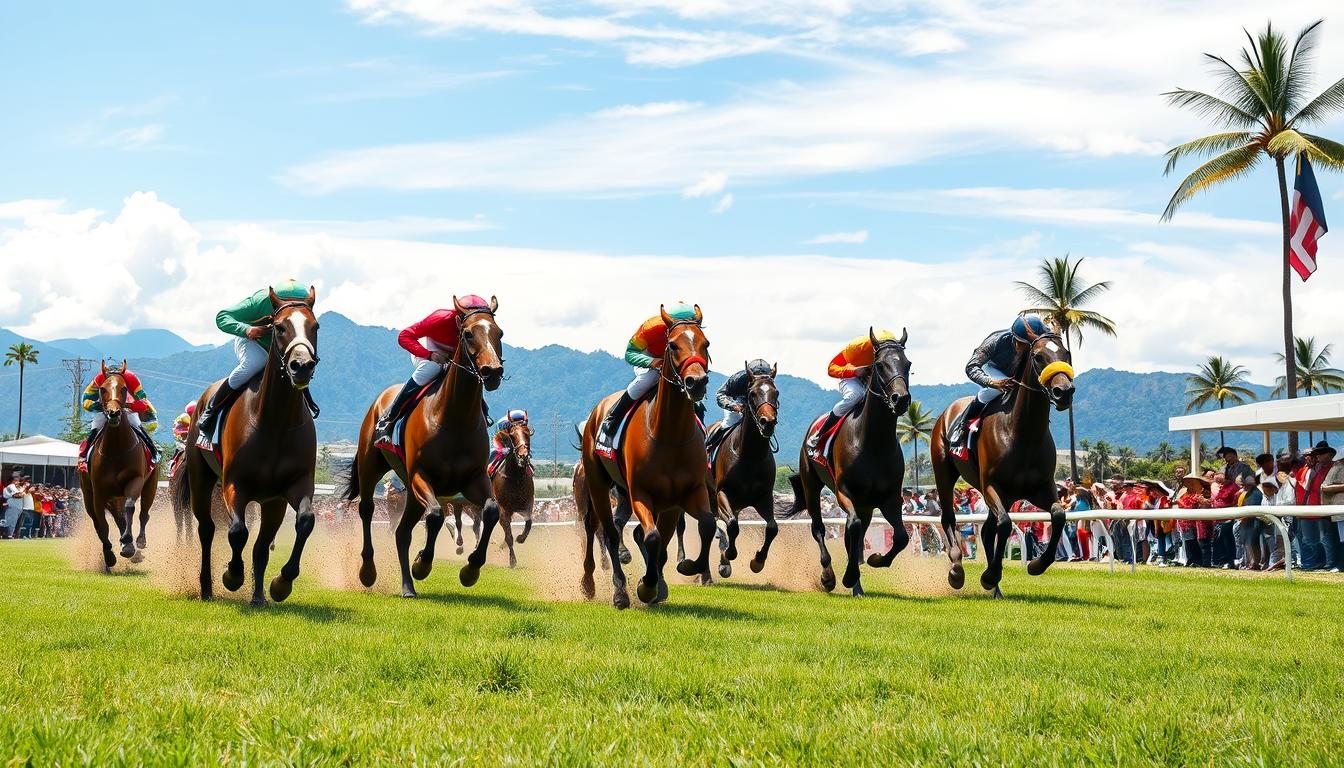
pixel 991 367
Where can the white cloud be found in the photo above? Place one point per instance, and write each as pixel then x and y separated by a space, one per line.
pixel 24 209
pixel 712 184
pixel 856 237
pixel 156 269
pixel 724 203
pixel 129 139
pixel 652 109
pixel 398 227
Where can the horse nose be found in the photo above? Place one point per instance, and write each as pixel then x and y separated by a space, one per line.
pixel 697 385
pixel 493 375
pixel 903 402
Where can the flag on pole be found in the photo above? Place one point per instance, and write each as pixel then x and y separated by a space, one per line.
pixel 1306 220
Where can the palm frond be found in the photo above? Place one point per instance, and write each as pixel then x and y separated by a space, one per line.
pixel 1243 88
pixel 1206 105
pixel 1298 76
pixel 1320 108
pixel 1328 152
pixel 1224 167
pixel 1205 146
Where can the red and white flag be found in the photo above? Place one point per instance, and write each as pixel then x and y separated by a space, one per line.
pixel 1306 220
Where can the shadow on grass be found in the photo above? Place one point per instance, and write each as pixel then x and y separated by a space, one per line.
pixel 480 600
pixel 318 614
pixel 700 611
pixel 1056 600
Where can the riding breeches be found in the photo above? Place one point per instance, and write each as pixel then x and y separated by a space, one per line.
pixel 643 383
pixel 986 395
pixel 851 394
pixel 730 419
pixel 425 369
pixel 251 361
pixel 100 419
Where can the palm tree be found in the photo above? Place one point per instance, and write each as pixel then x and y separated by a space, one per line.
pixel 1163 452
pixel 1314 374
pixel 1217 381
pixel 1099 460
pixel 914 426
pixel 21 354
pixel 1125 455
pixel 1262 107
pixel 1059 298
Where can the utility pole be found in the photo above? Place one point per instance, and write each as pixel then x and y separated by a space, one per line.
pixel 77 371
pixel 555 445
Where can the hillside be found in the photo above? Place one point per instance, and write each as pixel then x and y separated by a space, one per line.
pixel 558 386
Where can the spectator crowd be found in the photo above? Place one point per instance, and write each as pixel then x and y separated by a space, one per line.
pixel 31 510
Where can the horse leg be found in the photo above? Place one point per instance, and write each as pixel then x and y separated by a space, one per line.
pixel 527 527
pixel 586 582
pixel 304 522
pixel 140 541
pixel 481 493
pixel 125 518
pixel 994 567
pixel 599 508
pixel 707 525
pixel 202 488
pixel 899 537
pixel 237 506
pixel 621 517
pixel 651 545
pixel 1037 567
pixel 681 539
pixel 856 525
pixel 945 478
pixel 457 517
pixel 812 497
pixel 272 515
pixel 424 559
pixel 765 507
pixel 506 522
pixel 98 514
pixel 368 572
pixel 410 516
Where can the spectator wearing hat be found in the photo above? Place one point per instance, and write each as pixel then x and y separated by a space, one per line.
pixel 1194 494
pixel 1228 494
pixel 1318 535
pixel 1332 492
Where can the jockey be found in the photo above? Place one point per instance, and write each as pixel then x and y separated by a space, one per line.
pixel 999 353
pixel 183 422
pixel 850 366
pixel 251 345
pixel 732 398
pixel 498 444
pixel 645 353
pixel 139 412
pixel 432 343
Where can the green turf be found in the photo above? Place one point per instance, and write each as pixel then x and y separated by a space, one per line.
pixel 1078 666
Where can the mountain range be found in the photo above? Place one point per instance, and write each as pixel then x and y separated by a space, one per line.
pixel 557 385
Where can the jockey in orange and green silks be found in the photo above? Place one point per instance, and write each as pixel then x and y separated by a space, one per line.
pixel 850 365
pixel 139 412
pixel 645 354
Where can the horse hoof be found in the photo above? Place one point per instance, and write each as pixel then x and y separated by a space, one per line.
pixel 662 592
pixel 138 557
pixel 620 600
pixel 858 590
pixel 998 593
pixel 368 573
pixel 828 579
pixel 258 602
pixel 625 557
pixel 688 568
pixel 848 580
pixel 725 570
pixel 231 581
pixel 513 561
pixel 469 575
pixel 128 551
pixel 588 587
pixel 280 588
pixel 408 591
pixel 731 553
pixel 645 593
pixel 140 542
pixel 1037 567
pixel 756 565
pixel 956 576
pixel 988 582
pixel 459 549
pixel 421 567
pixel 109 559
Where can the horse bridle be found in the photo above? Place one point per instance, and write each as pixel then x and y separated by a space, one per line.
pixel 875 374
pixel 756 412
pixel 472 370
pixel 103 403
pixel 1036 381
pixel 513 446
pixel 680 381
pixel 297 340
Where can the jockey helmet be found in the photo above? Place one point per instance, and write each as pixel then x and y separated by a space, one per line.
pixel 759 367
pixel 518 415
pixel 1028 327
pixel 191 408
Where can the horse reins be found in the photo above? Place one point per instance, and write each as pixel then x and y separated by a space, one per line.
pixel 1048 371
pixel 474 370
pixel 680 381
pixel 877 375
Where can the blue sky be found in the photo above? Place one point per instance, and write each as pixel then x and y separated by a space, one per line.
pixel 807 167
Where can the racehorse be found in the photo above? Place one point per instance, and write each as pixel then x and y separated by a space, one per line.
pixel 1014 459
pixel 119 472
pixel 868 465
pixel 267 454
pixel 662 466
pixel 744 469
pixel 514 490
pixel 446 448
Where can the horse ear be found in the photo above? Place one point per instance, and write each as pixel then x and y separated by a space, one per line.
pixel 667 319
pixel 699 316
pixel 774 370
pixel 872 336
pixel 104 364
pixel 276 301
pixel 312 297
pixel 456 305
pixel 494 305
pixel 123 365
pixel 905 334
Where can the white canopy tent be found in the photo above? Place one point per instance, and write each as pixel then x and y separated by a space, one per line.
pixel 1321 413
pixel 39 452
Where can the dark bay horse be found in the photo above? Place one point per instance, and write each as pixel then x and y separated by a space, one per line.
pixel 868 463
pixel 743 474
pixel 268 450
pixel 446 452
pixel 514 490
pixel 1014 459
pixel 663 463
pixel 119 473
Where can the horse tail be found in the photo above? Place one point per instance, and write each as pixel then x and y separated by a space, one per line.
pixel 351 480
pixel 796 482
pixel 181 487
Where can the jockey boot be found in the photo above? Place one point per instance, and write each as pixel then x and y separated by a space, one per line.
pixel 606 434
pixel 383 430
pixel 814 440
pixel 154 453
pixel 485 411
pixel 87 445
pixel 714 437
pixel 205 425
pixel 961 429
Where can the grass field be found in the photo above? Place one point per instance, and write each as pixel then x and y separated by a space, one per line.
pixel 1078 666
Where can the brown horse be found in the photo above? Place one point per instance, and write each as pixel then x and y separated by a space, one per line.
pixel 119 473
pixel 446 448
pixel 514 490
pixel 663 464
pixel 1014 459
pixel 868 465
pixel 744 469
pixel 268 451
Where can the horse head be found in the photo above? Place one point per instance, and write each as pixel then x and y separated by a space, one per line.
pixel 481 340
pixel 519 434
pixel 890 375
pixel 113 393
pixel 294 336
pixel 687 354
pixel 763 399
pixel 1050 369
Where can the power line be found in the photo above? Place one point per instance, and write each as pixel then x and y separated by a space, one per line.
pixel 75 365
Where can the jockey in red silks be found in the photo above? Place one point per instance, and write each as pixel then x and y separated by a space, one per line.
pixel 432 343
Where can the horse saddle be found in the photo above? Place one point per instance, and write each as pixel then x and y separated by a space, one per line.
pixel 396 442
pixel 140 434
pixel 717 437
